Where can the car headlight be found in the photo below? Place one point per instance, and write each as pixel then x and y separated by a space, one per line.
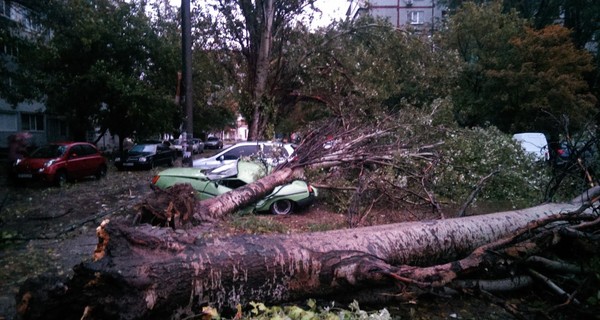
pixel 49 163
pixel 18 161
pixel 143 159
pixel 118 159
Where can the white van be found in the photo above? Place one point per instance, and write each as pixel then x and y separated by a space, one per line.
pixel 534 143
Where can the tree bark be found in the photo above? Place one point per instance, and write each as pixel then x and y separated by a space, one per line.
pixel 146 272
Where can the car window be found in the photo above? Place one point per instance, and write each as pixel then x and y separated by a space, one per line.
pixel 240 151
pixel 150 148
pixel 87 150
pixel 76 150
pixel 232 183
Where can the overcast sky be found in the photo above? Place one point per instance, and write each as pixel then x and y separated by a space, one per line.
pixel 332 9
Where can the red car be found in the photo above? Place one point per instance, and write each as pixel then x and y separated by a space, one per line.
pixel 56 163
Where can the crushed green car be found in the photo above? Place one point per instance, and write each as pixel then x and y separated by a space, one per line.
pixel 208 184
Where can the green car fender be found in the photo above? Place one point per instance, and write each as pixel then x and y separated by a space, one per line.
pixel 295 191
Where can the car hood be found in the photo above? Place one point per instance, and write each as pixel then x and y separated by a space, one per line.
pixel 138 154
pixel 34 162
pixel 193 173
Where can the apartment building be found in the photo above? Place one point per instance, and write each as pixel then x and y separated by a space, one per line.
pixel 416 15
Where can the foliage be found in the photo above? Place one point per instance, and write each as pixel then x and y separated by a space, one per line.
pixel 215 97
pixel 104 64
pixel 15 45
pixel 254 36
pixel 468 155
pixel 260 311
pixel 579 16
pixel 516 78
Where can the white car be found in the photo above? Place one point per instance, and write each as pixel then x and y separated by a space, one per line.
pixel 197 146
pixel 272 152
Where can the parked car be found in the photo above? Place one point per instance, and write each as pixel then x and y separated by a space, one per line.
pixel 146 156
pixel 214 143
pixel 271 152
pixel 569 152
pixel 208 184
pixel 167 143
pixel 197 145
pixel 58 163
pixel 534 143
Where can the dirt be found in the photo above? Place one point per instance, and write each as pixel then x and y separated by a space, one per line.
pixel 49 230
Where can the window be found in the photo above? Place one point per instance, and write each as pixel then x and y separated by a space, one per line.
pixel 32 122
pixel 4 9
pixel 415 17
pixel 8 122
pixel 87 150
pixel 242 151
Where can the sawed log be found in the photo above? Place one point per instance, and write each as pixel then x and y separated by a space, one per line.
pixel 145 272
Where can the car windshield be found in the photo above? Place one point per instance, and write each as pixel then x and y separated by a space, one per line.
pixel 143 148
pixel 227 170
pixel 49 151
pixel 212 139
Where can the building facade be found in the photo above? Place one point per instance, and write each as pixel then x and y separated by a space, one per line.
pixel 416 15
pixel 27 116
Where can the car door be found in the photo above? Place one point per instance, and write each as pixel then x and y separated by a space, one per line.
pixel 75 162
pixel 164 154
pixel 90 160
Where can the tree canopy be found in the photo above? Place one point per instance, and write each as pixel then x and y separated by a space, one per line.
pixel 515 77
pixel 106 64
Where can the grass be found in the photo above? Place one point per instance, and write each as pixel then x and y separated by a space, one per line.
pixel 255 225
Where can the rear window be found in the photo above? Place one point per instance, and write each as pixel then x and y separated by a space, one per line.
pixel 275 151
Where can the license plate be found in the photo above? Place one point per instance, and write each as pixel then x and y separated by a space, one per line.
pixel 25 175
pixel 128 164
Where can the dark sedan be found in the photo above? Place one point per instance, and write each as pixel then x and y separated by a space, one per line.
pixel 146 156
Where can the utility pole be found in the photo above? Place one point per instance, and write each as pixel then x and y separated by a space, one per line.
pixel 186 53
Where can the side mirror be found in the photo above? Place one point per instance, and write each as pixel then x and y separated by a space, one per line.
pixel 221 158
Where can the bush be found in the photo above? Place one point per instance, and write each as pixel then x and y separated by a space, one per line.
pixel 469 155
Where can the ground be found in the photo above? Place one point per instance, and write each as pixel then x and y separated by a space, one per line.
pixel 50 229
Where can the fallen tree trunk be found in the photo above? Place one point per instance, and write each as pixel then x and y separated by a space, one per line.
pixel 146 272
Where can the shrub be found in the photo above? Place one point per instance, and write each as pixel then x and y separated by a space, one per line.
pixel 469 155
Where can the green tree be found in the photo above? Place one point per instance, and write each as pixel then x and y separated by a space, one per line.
pixel 514 77
pixel 254 35
pixel 16 46
pixel 367 69
pixel 104 63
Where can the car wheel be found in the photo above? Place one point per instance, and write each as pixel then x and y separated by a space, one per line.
pixel 171 162
pixel 61 179
pixel 101 172
pixel 284 206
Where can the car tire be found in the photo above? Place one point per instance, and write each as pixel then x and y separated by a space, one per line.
pixel 101 173
pixel 61 179
pixel 171 162
pixel 281 207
